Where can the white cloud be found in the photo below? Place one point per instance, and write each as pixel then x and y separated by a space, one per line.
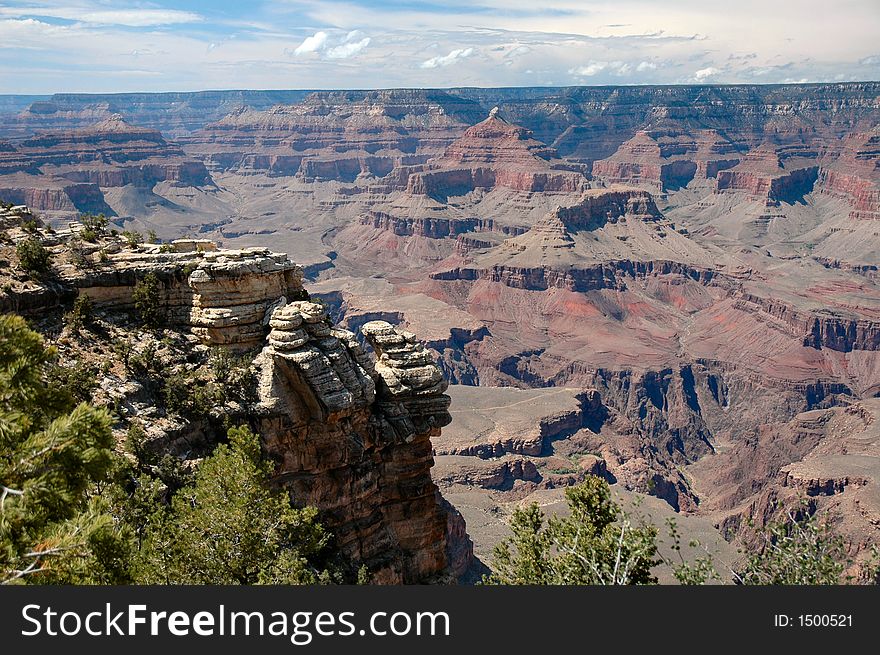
pixel 348 49
pixel 590 69
pixel 519 51
pixel 124 17
pixel 140 17
pixel 706 73
pixel 332 47
pixel 512 45
pixel 312 43
pixel 447 60
pixel 618 68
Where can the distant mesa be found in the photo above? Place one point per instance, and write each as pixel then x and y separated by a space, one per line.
pixel 668 159
pixel 495 153
pixel 68 170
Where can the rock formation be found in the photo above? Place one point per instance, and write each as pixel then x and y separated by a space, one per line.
pixel 350 432
pixel 495 153
pixel 765 176
pixel 336 136
pixel 855 175
pixel 664 159
pixel 67 170
pixel 353 437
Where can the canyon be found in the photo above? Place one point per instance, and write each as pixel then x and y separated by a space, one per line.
pixel 674 288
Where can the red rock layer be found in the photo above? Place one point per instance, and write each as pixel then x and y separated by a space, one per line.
pixel 607 275
pixel 336 135
pixel 110 153
pixel 435 228
pixel 667 159
pixel 495 153
pixel 44 193
pixel 64 171
pixel 765 174
pixel 820 330
pixel 855 175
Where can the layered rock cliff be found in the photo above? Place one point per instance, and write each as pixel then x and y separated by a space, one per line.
pixel 496 153
pixel 349 429
pixel 67 170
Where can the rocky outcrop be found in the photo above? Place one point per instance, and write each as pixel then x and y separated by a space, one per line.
pixel 855 175
pixel 353 437
pixel 668 159
pixel 337 136
pixel 221 296
pixel 66 171
pixel 111 153
pixel 610 275
pixel 174 114
pixel 495 153
pixel 232 293
pixel 43 193
pixel 818 330
pixel 499 473
pixel 764 174
pixel 435 228
pixel 350 432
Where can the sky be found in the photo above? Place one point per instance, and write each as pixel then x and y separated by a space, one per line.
pixel 188 45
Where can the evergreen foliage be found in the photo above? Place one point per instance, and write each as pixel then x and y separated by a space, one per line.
pixel 33 256
pixel 51 454
pixel 228 526
pixel 597 543
pixel 148 301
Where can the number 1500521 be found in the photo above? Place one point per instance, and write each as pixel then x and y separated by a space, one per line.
pixel 813 620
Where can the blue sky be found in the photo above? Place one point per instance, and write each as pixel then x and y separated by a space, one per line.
pixel 110 45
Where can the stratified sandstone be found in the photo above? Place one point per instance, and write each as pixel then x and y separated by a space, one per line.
pixel 764 175
pixel 337 136
pixel 665 159
pixel 67 170
pixel 350 432
pixel 855 175
pixel 353 437
pixel 495 153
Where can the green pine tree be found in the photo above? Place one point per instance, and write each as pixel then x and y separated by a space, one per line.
pixel 229 527
pixel 52 528
pixel 597 543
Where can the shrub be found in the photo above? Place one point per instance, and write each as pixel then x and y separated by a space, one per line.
pixel 234 376
pixel 78 380
pixel 78 254
pixel 148 300
pixel 796 551
pixel 33 256
pixel 132 239
pixel 94 227
pixel 596 544
pixel 81 313
pixel 144 362
pixel 186 394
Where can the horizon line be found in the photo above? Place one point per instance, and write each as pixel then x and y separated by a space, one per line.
pixel 444 88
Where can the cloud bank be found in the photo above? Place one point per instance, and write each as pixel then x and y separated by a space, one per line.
pixel 130 45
